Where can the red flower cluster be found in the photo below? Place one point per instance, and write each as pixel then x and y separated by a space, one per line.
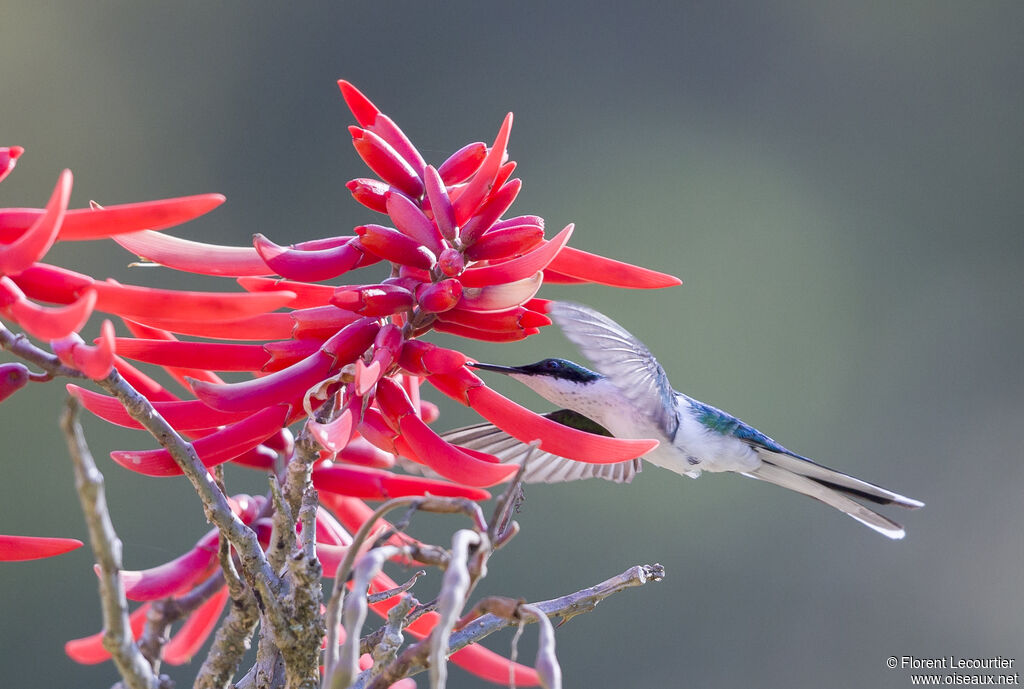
pixel 345 360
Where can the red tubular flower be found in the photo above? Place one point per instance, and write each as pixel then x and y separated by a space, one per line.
pixel 308 265
pixel 372 193
pixel 461 165
pixel 373 300
pixel 490 210
pixel 506 242
pixel 386 162
pixel 16 548
pixel 212 449
pixel 518 318
pixel 374 484
pixel 175 576
pixel 392 245
pixel 183 415
pixel 194 257
pixel 517 268
pixel 439 297
pixel 606 271
pixel 413 223
pixel 209 355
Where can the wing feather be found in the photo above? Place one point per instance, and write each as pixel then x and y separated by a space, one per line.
pixel 543 467
pixel 622 358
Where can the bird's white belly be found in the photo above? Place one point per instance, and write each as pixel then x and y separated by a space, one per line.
pixel 696 449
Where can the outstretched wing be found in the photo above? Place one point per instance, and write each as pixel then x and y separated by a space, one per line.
pixel 622 358
pixel 543 467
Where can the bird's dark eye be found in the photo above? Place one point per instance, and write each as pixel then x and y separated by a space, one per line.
pixel 554 365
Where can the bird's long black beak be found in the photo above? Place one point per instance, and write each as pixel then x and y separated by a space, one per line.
pixel 494 367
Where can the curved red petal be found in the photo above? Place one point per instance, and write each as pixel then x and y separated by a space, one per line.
pixel 51 283
pixel 606 271
pixel 449 461
pixel 48 323
pixel 17 548
pixel 36 240
pixel 512 319
pixel 334 435
pixel 194 257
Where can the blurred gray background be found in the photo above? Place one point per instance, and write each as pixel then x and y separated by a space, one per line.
pixel 837 184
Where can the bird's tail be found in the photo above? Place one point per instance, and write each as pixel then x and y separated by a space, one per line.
pixel 828 486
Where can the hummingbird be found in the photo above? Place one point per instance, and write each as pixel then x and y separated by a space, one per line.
pixel 629 396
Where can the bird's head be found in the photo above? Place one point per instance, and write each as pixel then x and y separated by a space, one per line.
pixel 550 378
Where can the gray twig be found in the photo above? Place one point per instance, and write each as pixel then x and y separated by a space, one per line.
pixel 106 546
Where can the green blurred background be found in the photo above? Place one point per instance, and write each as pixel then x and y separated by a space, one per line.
pixel 838 185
